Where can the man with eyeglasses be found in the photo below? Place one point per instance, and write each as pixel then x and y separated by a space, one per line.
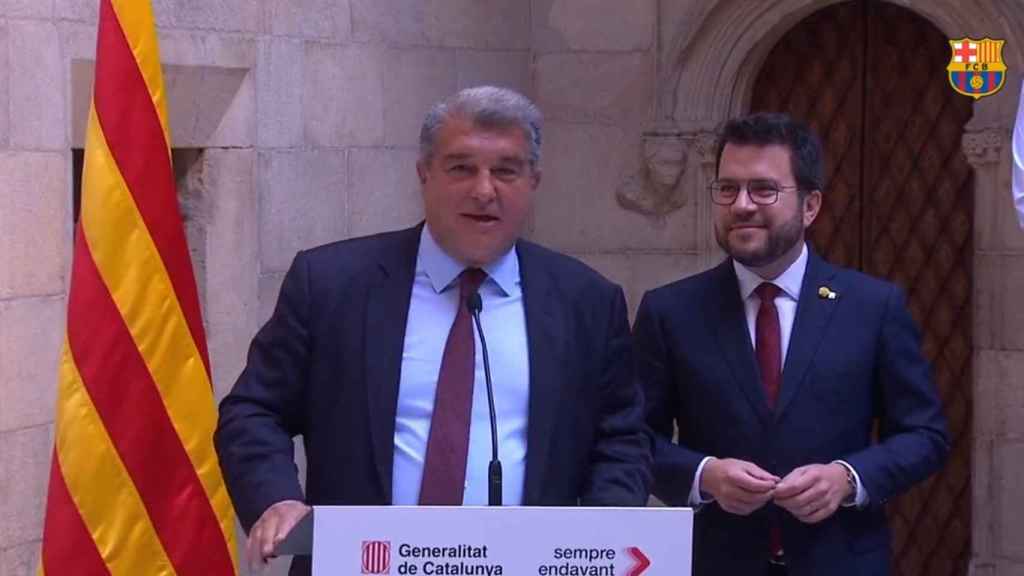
pixel 775 368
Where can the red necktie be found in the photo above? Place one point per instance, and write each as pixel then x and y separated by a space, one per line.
pixel 768 341
pixel 768 338
pixel 444 468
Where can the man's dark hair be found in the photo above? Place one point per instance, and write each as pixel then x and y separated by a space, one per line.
pixel 806 157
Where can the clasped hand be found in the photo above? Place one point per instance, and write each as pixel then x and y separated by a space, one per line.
pixel 811 493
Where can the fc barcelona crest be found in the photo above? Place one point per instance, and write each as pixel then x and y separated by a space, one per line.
pixel 976 68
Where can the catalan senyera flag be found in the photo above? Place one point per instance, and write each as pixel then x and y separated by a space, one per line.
pixel 135 486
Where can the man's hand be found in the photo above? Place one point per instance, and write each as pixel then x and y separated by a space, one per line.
pixel 272 527
pixel 812 493
pixel 738 486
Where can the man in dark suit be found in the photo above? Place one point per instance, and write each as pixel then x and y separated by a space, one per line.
pixel 371 356
pixel 775 366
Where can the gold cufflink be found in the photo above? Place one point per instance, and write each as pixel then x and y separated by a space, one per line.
pixel 826 293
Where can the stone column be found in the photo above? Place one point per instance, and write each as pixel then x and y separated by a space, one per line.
pixel 997 525
pixel 705 145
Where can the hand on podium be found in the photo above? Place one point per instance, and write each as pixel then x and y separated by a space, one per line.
pixel 272 528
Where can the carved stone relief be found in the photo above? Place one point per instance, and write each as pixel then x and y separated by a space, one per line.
pixel 657 189
pixel 983 147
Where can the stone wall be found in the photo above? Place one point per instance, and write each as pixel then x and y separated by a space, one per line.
pixel 304 114
pixel 34 214
pixel 595 79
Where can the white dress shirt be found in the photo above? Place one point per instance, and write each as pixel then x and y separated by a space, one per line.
pixel 790 283
pixel 435 300
pixel 1018 159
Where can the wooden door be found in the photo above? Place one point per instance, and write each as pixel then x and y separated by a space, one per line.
pixel 870 77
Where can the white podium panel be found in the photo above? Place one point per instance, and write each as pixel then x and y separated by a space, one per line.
pixel 510 541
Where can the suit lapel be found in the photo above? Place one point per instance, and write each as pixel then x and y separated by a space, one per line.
pixel 734 340
pixel 546 342
pixel 812 316
pixel 388 297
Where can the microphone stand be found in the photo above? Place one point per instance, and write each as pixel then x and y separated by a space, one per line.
pixel 475 305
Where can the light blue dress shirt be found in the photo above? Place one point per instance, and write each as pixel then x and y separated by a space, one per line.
pixel 435 300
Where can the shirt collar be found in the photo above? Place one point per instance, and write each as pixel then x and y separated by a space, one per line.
pixel 442 269
pixel 790 281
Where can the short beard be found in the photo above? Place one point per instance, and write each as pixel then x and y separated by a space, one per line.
pixel 780 241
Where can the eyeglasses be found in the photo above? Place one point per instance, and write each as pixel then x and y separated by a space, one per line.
pixel 760 192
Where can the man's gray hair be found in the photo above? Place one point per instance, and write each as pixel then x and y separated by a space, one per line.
pixel 487 107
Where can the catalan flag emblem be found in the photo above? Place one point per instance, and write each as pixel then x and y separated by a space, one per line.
pixel 135 485
pixel 976 67
pixel 376 557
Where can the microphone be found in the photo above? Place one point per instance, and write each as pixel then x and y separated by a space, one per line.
pixel 475 305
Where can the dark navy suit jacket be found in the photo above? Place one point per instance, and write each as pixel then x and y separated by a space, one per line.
pixel 326 366
pixel 851 362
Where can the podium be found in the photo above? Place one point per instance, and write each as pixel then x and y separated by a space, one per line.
pixel 495 541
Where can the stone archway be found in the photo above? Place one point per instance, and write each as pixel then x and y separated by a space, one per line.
pixel 709 58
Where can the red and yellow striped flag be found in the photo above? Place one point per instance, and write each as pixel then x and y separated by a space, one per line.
pixel 135 485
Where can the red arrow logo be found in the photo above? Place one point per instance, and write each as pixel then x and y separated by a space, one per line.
pixel 641 559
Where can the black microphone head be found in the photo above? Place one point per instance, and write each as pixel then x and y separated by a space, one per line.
pixel 474 303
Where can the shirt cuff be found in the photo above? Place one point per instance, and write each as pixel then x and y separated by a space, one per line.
pixel 696 498
pixel 861 499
